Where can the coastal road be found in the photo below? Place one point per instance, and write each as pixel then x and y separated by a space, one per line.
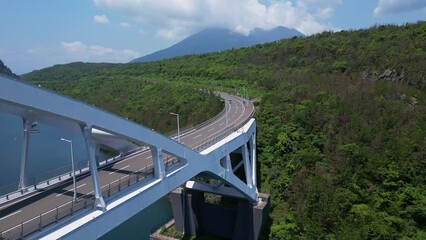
pixel 14 213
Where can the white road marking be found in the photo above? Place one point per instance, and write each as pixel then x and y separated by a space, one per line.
pixel 60 194
pixel 199 135
pixel 220 124
pixel 210 130
pixel 91 192
pixel 63 204
pixel 119 169
pixel 10 215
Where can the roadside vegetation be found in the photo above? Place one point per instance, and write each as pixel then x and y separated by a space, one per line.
pixel 341 123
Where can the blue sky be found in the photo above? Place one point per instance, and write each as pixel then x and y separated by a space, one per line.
pixel 39 34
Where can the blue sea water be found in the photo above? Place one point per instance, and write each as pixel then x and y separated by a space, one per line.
pixel 46 154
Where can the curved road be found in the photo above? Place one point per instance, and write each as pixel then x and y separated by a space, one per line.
pixel 12 214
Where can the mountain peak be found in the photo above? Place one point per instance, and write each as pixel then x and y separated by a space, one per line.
pixel 219 39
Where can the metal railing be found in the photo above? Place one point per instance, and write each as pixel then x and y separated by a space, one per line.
pixel 48 178
pixel 58 213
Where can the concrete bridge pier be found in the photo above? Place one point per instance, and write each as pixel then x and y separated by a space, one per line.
pixel 239 221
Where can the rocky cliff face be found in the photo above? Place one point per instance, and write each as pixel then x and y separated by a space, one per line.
pixel 394 76
pixel 388 74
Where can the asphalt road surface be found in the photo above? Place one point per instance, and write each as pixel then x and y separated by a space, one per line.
pixel 14 213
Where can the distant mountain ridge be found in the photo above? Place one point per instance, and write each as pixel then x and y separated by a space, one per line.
pixel 219 39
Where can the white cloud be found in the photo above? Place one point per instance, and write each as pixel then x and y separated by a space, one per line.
pixel 386 7
pixel 66 52
pixel 77 48
pixel 37 58
pixel 125 25
pixel 318 3
pixel 325 13
pixel 175 19
pixel 322 9
pixel 101 19
pixel 95 53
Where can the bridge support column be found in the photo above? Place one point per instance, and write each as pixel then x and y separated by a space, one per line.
pixel 158 162
pixel 228 163
pixel 24 152
pixel 90 146
pixel 247 166
pixel 240 221
pixel 97 153
pixel 252 144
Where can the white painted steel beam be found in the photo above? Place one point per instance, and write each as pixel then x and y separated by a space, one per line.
pixel 91 149
pixel 247 166
pixel 27 123
pixel 252 144
pixel 158 162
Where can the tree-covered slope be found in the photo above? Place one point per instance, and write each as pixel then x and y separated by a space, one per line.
pixel 5 70
pixel 67 72
pixel 341 127
pixel 140 100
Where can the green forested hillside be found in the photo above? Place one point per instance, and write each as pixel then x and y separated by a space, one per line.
pixel 68 72
pixel 146 102
pixel 5 70
pixel 341 126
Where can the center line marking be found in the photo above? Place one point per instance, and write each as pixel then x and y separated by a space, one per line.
pixel 60 194
pixel 10 215
pixel 199 135
pixel 119 169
